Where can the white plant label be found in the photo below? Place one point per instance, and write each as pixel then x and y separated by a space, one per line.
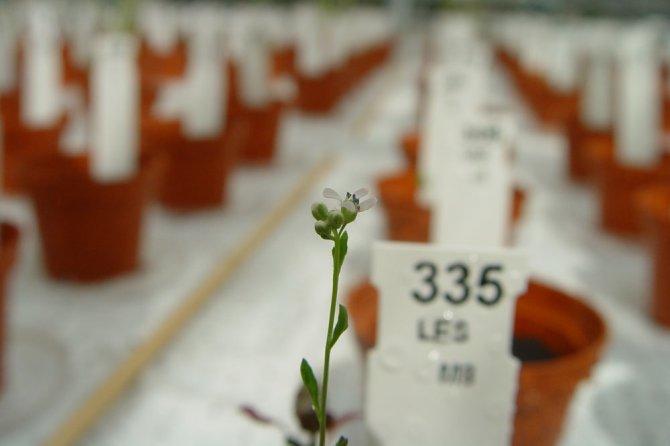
pixel 41 101
pixel 310 41
pixel 160 27
pixel 115 108
pixel 86 27
pixel 442 370
pixel 7 56
pixel 596 104
pixel 473 198
pixel 638 105
pixel 562 72
pixel 453 92
pixel 254 70
pixel 204 114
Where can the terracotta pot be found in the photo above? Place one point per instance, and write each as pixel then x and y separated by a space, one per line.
pixel 406 219
pixel 197 170
pixel 22 144
pixel 618 185
pixel 534 91
pixel 261 138
pixel 579 139
pixel 362 304
pixel 8 246
pixel 234 101
pixel 506 59
pixel 167 66
pixel 574 333
pixel 89 231
pixel 518 204
pixel 317 94
pixel 654 208
pixel 555 110
pixel 410 144
pixel 569 331
pixel 354 71
pixel 666 113
pixel 159 135
pixel 283 61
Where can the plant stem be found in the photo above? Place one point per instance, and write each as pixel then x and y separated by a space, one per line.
pixel 326 360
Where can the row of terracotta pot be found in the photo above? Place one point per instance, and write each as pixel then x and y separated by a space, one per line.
pixel 319 94
pixel 634 201
pixel 552 108
pixel 92 231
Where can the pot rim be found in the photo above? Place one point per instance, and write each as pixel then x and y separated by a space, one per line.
pixel 587 314
pixel 649 202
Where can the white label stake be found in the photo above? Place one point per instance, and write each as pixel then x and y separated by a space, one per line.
pixel 453 91
pixel 254 71
pixel 7 56
pixel 638 104
pixel 442 370
pixel 115 108
pixel 41 101
pixel 204 114
pixel 473 204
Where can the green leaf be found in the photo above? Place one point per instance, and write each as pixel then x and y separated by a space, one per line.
pixel 341 325
pixel 343 441
pixel 344 241
pixel 311 385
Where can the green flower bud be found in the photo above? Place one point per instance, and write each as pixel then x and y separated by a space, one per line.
pixel 319 211
pixel 348 215
pixel 335 219
pixel 322 228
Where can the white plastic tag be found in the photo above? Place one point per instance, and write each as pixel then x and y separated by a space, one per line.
pixel 159 25
pixel 254 70
pixel 562 73
pixel 442 370
pixel 596 102
pixel 115 108
pixel 7 56
pixel 638 106
pixel 204 114
pixel 453 92
pixel 473 198
pixel 82 31
pixel 41 101
pixel 309 41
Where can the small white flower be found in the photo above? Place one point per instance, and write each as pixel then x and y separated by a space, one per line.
pixel 351 202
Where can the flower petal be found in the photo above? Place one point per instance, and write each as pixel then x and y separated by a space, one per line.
pixel 367 204
pixel 349 205
pixel 330 193
pixel 362 192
